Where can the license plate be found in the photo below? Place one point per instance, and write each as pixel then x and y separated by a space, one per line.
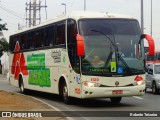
pixel 115 92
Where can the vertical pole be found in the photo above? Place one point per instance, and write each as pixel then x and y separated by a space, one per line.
pixel 39 11
pixel 45 9
pixel 142 27
pixel 30 14
pixel 34 12
pixel 64 6
pixel 84 5
pixel 65 9
pixel 26 14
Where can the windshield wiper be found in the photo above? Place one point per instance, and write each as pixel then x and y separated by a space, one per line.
pixel 111 52
pixel 105 36
pixel 110 55
pixel 124 62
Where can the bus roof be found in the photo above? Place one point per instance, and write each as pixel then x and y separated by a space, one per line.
pixel 77 15
pixel 91 14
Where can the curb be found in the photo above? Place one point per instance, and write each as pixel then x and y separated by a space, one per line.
pixel 45 103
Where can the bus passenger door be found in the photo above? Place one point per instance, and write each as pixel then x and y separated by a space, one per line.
pixel 74 61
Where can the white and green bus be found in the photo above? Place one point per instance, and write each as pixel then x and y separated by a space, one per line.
pixel 81 55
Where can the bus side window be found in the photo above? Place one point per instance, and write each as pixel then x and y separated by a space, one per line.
pixel 60 33
pixel 49 36
pixel 31 40
pixel 71 44
pixel 12 43
pixel 18 40
pixel 38 38
pixel 26 42
pixel 22 42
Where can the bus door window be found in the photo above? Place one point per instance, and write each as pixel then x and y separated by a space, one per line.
pixel 60 33
pixel 71 44
pixel 49 36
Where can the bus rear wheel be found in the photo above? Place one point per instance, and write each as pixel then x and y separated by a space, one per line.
pixel 116 99
pixel 21 86
pixel 65 96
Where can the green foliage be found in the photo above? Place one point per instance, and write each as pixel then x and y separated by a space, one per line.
pixel 3 26
pixel 4 45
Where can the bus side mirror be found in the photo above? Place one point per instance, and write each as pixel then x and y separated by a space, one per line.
pixel 151 44
pixel 80 45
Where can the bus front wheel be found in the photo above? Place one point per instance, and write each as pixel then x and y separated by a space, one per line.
pixel 65 96
pixel 116 99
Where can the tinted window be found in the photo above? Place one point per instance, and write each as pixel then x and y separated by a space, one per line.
pixel 60 33
pixel 12 43
pixel 38 38
pixel 49 36
pixel 109 27
pixel 23 41
pixel 31 40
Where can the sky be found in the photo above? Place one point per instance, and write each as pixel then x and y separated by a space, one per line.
pixel 14 12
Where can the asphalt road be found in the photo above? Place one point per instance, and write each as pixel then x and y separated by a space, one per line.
pixel 148 102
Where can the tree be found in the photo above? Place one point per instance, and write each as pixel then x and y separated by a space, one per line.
pixel 4 46
pixel 3 26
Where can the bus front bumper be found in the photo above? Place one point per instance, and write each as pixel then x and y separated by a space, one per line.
pixel 104 92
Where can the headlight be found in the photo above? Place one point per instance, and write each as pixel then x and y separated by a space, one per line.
pixel 138 82
pixel 91 84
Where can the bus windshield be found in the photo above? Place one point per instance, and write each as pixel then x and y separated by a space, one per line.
pixel 112 47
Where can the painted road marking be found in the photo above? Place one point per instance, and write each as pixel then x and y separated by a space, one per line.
pixel 138 97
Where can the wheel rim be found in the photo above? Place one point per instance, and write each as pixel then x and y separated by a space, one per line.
pixel 65 92
pixel 22 87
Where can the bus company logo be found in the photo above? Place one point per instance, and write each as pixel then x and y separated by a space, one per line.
pixel 56 55
pixel 116 83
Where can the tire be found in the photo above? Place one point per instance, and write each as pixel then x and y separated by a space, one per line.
pixel 154 88
pixel 116 100
pixel 21 86
pixel 65 96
